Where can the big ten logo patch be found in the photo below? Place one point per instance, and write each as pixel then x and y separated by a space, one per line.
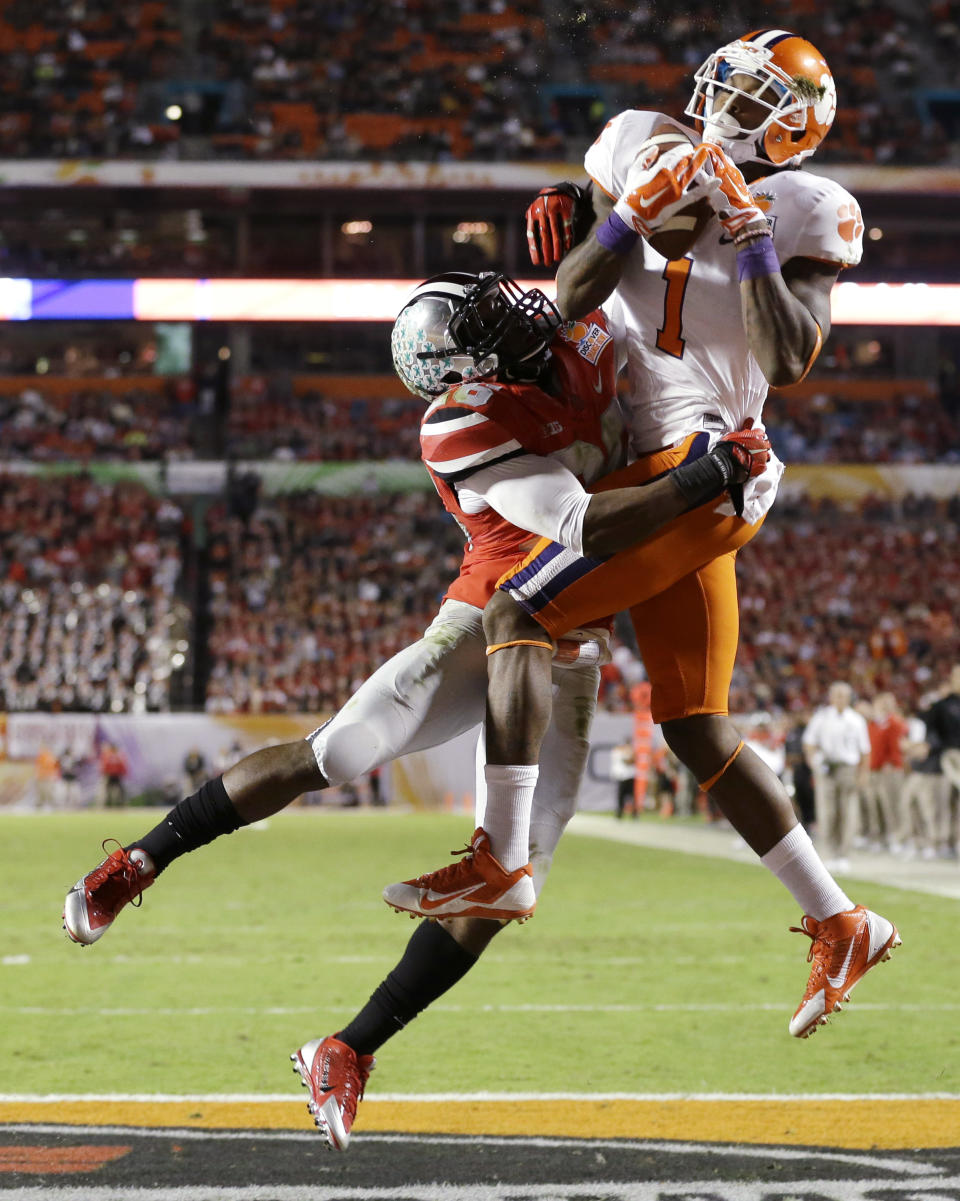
pixel 588 339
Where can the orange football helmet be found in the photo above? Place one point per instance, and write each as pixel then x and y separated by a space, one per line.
pixel 794 90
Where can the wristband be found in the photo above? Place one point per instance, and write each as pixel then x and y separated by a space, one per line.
pixel 616 236
pixel 757 259
pixel 703 479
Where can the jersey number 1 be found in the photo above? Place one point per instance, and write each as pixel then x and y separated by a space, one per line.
pixel 669 338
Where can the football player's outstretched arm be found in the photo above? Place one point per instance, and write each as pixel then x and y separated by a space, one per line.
pixel 541 495
pixel 589 272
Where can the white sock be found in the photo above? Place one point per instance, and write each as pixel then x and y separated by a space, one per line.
pixel 506 818
pixel 798 867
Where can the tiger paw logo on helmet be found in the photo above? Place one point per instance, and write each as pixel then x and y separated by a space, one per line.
pixel 851 222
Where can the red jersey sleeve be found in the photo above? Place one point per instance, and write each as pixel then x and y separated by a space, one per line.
pixel 459 435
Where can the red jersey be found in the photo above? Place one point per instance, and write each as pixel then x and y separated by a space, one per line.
pixel 885 739
pixel 476 425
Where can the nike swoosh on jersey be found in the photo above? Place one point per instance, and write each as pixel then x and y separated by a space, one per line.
pixel 426 903
pixel 598 386
pixel 837 981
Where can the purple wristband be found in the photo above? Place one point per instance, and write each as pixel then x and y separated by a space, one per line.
pixel 757 259
pixel 616 236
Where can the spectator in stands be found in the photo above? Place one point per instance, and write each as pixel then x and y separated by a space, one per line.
pixel 429 82
pixel 89 617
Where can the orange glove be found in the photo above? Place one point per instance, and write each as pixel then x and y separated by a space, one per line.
pixel 751 448
pixel 552 222
pixel 659 184
pixel 732 201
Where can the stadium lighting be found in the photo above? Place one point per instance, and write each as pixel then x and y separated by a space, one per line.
pixel 173 112
pixel 369 300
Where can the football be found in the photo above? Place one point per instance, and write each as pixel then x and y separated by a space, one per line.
pixel 678 234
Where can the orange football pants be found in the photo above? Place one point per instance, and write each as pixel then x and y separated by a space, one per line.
pixel 680 588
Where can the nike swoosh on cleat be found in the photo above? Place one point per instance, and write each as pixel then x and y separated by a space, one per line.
pixel 426 903
pixel 837 981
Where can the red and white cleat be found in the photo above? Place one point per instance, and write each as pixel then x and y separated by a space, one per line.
pixel 843 949
pixel 336 1077
pixel 97 898
pixel 475 886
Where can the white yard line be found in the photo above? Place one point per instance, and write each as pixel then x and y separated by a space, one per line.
pixel 938 877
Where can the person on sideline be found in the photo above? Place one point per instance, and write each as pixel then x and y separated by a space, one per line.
pixel 837 746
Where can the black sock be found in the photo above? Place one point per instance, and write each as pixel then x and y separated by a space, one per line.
pixel 193 823
pixel 433 962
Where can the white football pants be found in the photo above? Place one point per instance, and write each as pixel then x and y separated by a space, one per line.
pixel 436 689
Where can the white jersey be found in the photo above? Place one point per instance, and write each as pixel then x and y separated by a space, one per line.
pixel 680 323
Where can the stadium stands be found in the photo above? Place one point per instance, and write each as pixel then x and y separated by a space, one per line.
pixel 89 615
pixel 312 594
pixel 464 79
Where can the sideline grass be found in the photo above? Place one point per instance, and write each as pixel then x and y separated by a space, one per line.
pixel 680 969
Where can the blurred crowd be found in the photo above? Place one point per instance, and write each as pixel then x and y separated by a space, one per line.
pixel 267 419
pixel 265 423
pixel 822 428
pixel 471 79
pixel 89 615
pixel 83 422
pixel 309 594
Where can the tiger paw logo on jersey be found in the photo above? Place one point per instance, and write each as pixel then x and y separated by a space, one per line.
pixel 851 223
pixel 589 340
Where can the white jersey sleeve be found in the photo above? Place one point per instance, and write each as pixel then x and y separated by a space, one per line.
pixel 533 493
pixel 816 218
pixel 609 158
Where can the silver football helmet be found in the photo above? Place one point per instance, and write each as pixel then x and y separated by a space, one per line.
pixel 459 327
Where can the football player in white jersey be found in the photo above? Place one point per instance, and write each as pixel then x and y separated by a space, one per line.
pixel 714 258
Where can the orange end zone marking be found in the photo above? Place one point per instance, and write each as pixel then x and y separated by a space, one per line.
pixel 58 1161
pixel 860 1123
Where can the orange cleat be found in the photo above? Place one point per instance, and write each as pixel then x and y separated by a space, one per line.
pixel 843 949
pixel 97 898
pixel 336 1077
pixel 475 886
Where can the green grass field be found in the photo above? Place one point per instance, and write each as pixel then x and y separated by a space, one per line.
pixel 641 971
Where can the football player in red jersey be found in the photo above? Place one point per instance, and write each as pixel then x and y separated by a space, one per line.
pixel 552 404
pixel 714 257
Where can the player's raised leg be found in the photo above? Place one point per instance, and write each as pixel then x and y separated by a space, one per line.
pixel 494 878
pixel 687 636
pixel 426 694
pixel 256 787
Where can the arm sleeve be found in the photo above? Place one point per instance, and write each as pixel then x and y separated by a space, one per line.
pixel 533 493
